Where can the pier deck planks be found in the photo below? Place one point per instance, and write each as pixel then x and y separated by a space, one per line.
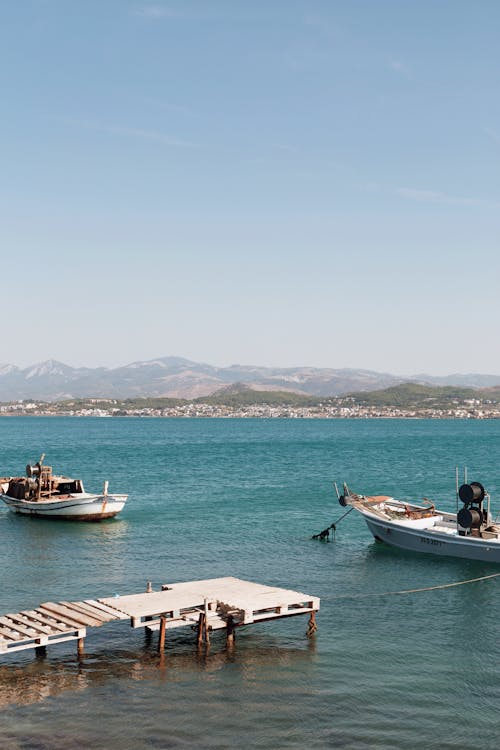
pixel 248 601
pixel 177 605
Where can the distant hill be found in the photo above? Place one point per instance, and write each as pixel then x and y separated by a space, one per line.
pixel 407 399
pixel 416 396
pixel 178 378
pixel 240 395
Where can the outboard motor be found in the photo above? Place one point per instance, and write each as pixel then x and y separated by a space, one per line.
pixel 472 519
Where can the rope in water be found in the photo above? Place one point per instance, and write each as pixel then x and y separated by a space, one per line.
pixel 416 591
pixel 325 534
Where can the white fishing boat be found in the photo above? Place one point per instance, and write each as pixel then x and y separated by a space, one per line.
pixel 470 533
pixel 45 495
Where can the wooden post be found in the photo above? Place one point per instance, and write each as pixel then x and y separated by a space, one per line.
pixel 312 626
pixel 80 646
pixel 203 632
pixel 201 619
pixel 163 628
pixel 207 636
pixel 40 652
pixel 230 634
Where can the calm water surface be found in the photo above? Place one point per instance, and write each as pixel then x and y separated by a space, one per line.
pixel 242 497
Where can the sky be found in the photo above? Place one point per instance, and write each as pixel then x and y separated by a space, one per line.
pixel 276 182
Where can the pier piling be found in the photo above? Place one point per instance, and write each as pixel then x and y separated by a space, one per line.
pixel 312 625
pixel 230 631
pixel 163 630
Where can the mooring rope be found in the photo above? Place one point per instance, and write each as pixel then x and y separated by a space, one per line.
pixel 417 591
pixel 325 534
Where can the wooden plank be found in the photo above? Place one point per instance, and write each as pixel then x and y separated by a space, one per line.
pixel 78 612
pixel 23 645
pixel 99 614
pixel 106 608
pixel 23 630
pixel 66 617
pixel 214 621
pixel 88 609
pixel 46 619
pixel 8 634
pixel 66 614
pixel 30 624
pixel 147 605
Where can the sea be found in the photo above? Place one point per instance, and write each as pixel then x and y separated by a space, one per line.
pixel 243 497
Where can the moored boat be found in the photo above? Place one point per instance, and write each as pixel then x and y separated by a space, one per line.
pixel 470 533
pixel 43 494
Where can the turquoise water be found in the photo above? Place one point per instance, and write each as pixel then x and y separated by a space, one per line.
pixel 242 497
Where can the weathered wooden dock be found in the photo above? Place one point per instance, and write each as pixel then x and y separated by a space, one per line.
pixel 213 604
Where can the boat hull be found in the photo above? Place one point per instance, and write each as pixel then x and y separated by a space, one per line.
pixel 420 540
pixel 86 507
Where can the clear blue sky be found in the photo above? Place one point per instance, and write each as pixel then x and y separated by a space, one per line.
pixel 277 182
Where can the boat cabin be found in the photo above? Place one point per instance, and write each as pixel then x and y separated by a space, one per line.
pixel 40 484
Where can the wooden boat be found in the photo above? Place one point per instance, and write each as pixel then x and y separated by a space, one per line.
pixel 470 533
pixel 45 495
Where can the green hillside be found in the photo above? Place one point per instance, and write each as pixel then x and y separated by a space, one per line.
pixel 413 395
pixel 233 396
pixel 409 397
pixel 242 396
pixel 117 403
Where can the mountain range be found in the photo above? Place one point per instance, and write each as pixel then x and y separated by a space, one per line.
pixel 176 377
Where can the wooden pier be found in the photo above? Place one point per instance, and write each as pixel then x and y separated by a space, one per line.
pixel 213 604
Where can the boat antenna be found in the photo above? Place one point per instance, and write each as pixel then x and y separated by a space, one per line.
pixel 456 485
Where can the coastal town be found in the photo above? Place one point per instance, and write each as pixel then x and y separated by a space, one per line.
pixel 339 408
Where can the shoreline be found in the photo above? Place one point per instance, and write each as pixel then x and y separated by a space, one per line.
pixel 260 413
